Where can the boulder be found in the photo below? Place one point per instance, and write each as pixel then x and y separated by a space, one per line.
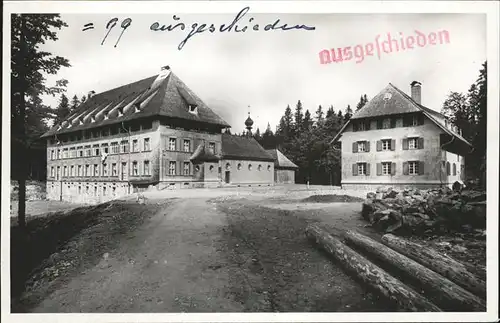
pixel 370 195
pixel 379 195
pixel 390 194
pixel 382 189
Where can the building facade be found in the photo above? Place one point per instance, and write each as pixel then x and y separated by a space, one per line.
pixel 284 168
pixel 395 141
pixel 154 133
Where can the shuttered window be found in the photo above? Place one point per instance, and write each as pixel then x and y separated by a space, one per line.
pixel 413 168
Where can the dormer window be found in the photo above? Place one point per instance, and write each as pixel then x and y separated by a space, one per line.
pixel 92 119
pixel 120 112
pixel 193 109
pixel 106 117
pixel 137 108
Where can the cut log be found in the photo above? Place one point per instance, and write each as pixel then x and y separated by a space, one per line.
pixel 443 292
pixel 444 265
pixel 405 297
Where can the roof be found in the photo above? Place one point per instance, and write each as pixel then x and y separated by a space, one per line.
pixel 398 102
pixel 201 154
pixel 160 95
pixel 280 160
pixel 237 147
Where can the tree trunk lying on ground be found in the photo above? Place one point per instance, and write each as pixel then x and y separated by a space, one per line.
pixel 444 265
pixel 443 292
pixel 405 297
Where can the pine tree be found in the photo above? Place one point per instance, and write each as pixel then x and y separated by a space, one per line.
pixel 74 103
pixel 307 122
pixel 62 110
pixel 299 117
pixel 348 113
pixel 319 115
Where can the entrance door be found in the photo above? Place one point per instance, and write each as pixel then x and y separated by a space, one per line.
pixel 227 176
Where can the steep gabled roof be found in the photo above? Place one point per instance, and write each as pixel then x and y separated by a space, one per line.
pixel 237 147
pixel 201 154
pixel 281 160
pixel 161 95
pixel 393 101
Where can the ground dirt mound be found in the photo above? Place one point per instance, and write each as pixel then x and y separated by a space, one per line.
pixel 331 198
pixel 56 246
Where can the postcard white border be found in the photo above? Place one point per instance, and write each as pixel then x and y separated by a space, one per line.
pixel 491 9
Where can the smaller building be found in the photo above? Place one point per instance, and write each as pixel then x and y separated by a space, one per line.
pixel 284 168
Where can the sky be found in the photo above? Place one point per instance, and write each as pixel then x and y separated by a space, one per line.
pixel 263 72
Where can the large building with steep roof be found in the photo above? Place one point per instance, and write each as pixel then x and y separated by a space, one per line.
pixel 394 140
pixel 155 132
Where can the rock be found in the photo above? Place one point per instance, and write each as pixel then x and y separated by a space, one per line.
pixel 379 196
pixel 444 244
pixel 458 248
pixel 391 194
pixel 382 189
pixel 420 215
pixel 474 196
pixel 371 195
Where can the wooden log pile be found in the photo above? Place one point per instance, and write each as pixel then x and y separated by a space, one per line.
pixel 423 210
pixel 414 277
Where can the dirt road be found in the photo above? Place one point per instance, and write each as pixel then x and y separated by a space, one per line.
pixel 218 255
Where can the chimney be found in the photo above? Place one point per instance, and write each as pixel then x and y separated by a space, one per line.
pixel 91 93
pixel 416 91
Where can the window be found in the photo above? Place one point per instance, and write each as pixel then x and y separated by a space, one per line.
pixel 146 168
pixel 115 149
pixel 268 168
pixel 386 144
pixel 59 154
pixel 386 124
pixel 171 168
pixel 187 145
pixel 414 121
pixel 95 191
pixel 361 126
pixel 52 154
pixel 79 170
pixel 65 153
pixel 250 167
pixel 104 191
pixel 135 170
pixel 65 171
pixel 124 169
pixel 413 168
pixel 52 172
pixel 105 148
pixel 135 147
pixel 114 171
pixel 79 189
pixel 228 166
pixel 211 146
pixel 87 189
pixel 87 170
pixel 146 144
pixel 72 170
pixel 186 168
pixel 386 168
pixel 239 166
pixel 124 146
pixel 361 146
pixel 448 169
pixel 80 151
pixel 171 144
pixel 96 150
pixel 96 169
pixel 72 152
pixel 197 168
pixel 412 143
pixel 211 168
pixel 88 151
pixel 104 169
pixel 362 169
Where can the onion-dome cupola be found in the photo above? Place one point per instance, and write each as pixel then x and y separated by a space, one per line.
pixel 249 124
